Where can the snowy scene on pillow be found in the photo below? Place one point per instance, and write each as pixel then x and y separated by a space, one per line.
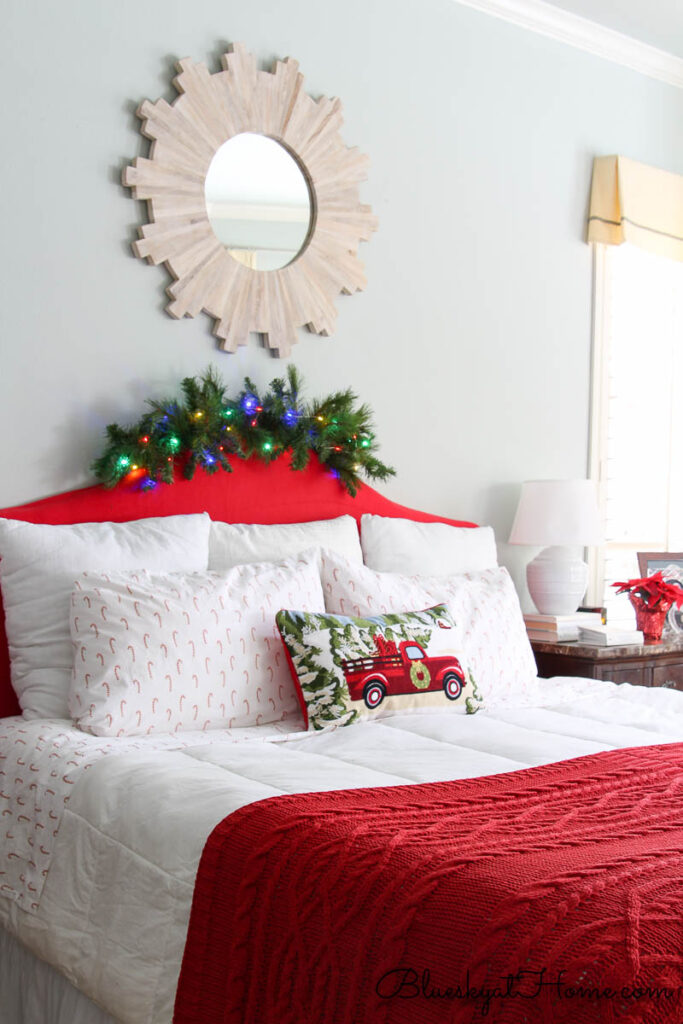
pixel 348 668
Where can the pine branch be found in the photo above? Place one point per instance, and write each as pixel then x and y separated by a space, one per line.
pixel 205 428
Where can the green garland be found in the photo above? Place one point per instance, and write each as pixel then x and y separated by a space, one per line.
pixel 206 428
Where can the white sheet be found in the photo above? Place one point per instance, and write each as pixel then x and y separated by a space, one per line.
pixel 33 992
pixel 114 908
pixel 40 762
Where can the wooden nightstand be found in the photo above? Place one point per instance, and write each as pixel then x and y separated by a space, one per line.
pixel 652 665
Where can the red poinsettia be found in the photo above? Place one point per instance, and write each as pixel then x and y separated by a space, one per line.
pixel 653 590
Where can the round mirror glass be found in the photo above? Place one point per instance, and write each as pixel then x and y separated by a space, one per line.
pixel 258 201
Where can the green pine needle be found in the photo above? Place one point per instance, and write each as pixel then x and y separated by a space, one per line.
pixel 206 428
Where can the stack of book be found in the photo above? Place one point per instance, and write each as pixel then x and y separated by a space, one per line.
pixel 559 628
pixel 609 636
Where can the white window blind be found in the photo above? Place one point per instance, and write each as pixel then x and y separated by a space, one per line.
pixel 637 406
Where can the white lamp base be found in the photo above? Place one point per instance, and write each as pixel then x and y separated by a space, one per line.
pixel 557 581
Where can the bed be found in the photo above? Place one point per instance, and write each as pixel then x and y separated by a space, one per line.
pixel 103 915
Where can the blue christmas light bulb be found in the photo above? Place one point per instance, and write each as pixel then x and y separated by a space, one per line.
pixel 291 417
pixel 249 404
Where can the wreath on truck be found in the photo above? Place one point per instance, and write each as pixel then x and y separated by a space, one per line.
pixel 419 675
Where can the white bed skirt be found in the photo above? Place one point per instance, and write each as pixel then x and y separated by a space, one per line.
pixel 33 992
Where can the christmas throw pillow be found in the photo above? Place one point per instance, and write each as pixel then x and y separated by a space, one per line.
pixel 349 668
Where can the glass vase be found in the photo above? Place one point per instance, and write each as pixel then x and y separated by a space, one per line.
pixel 650 621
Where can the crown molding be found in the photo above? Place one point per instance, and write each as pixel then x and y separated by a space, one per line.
pixel 565 27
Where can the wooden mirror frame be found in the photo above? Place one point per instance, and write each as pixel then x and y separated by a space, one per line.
pixel 211 109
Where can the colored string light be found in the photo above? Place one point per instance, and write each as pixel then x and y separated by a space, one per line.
pixel 291 417
pixel 195 429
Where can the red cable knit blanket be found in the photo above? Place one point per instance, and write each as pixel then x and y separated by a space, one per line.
pixel 552 894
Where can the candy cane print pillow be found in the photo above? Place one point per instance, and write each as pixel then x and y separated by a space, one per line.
pixel 160 653
pixel 483 604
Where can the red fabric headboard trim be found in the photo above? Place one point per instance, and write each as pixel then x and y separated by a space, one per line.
pixel 253 493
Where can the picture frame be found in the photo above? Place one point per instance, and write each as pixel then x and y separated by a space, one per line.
pixel 671 565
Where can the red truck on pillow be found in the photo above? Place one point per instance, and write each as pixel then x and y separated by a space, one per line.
pixel 401 670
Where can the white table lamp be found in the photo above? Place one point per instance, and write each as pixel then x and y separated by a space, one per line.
pixel 562 515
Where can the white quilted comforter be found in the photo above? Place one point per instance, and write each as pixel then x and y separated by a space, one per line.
pixel 107 897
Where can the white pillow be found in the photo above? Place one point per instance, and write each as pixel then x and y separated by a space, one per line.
pixel 158 653
pixel 38 565
pixel 484 605
pixel 239 543
pixel 427 549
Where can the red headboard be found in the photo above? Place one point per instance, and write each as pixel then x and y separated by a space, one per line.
pixel 253 493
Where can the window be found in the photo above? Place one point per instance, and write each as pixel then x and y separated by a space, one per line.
pixel 637 412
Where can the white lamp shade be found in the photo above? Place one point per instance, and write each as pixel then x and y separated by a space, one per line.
pixel 552 512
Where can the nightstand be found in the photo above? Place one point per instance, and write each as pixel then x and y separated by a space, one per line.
pixel 651 665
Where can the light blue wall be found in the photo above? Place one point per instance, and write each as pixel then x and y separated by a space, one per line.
pixel 472 341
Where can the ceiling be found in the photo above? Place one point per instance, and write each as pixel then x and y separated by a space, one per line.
pixel 657 22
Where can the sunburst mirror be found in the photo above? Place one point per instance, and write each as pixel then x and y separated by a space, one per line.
pixel 253 200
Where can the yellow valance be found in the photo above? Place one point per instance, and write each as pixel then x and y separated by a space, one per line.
pixel 632 202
